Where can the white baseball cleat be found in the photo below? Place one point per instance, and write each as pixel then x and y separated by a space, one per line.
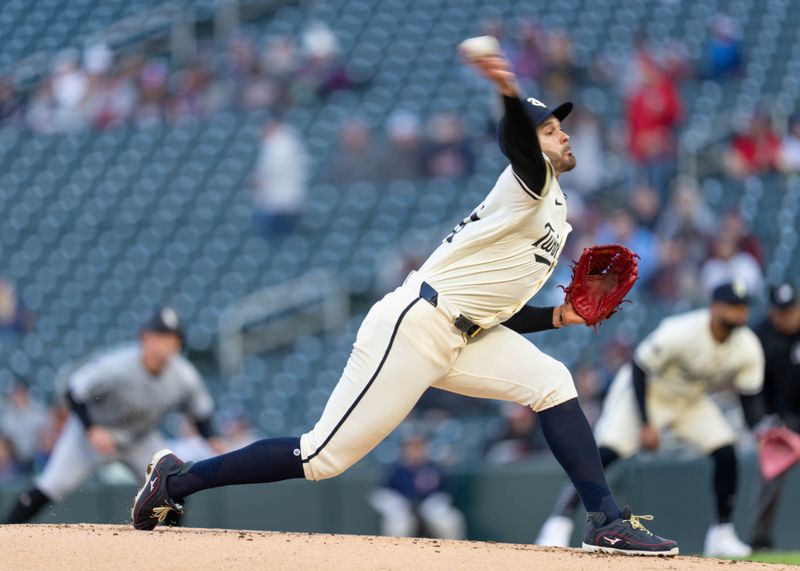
pixel 556 531
pixel 721 541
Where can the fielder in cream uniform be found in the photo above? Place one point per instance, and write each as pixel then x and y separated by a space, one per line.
pixel 666 386
pixel 442 328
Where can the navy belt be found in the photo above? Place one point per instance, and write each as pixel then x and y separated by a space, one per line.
pixel 462 323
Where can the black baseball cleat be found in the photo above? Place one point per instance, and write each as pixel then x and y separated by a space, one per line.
pixel 625 535
pixel 152 505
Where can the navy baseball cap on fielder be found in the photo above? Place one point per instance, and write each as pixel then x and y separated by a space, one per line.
pixel 164 320
pixel 783 295
pixel 734 293
pixel 539 112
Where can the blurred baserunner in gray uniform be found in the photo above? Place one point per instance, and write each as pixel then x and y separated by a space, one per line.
pixel 118 400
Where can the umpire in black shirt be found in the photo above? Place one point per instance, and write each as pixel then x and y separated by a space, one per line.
pixel 779 334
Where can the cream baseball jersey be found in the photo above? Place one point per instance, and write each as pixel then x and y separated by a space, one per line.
pixel 495 260
pixel 683 360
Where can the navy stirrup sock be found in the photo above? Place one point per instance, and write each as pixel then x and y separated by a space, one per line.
pixel 571 440
pixel 267 460
pixel 725 475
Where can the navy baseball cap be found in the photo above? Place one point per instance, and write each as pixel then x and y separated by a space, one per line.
pixel 539 112
pixel 783 295
pixel 164 320
pixel 734 293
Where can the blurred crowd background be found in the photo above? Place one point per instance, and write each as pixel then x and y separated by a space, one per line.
pixel 197 160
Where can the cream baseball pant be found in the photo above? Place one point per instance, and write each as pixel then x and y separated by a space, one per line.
pixel 74 459
pixel 698 420
pixel 405 346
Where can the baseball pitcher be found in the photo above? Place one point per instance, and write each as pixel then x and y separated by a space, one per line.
pixel 454 324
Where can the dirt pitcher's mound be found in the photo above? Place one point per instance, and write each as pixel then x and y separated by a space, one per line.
pixel 93 547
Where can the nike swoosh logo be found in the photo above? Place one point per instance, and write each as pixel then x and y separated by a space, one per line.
pixel 613 541
pixel 153 483
pixel 559 203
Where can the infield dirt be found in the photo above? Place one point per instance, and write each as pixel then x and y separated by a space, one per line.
pixel 102 547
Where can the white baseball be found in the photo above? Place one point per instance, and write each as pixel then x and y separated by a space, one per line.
pixel 480 46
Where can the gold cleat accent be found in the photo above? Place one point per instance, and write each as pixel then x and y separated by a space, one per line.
pixel 161 513
pixel 637 524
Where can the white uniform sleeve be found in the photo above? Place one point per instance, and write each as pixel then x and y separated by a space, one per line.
pixel 750 377
pixel 659 348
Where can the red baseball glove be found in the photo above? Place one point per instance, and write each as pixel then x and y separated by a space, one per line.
pixel 778 450
pixel 601 279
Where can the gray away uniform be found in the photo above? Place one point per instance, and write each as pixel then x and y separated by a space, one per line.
pixel 122 396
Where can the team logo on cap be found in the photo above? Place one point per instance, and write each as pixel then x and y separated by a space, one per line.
pixel 170 318
pixel 739 288
pixel 784 294
pixel 534 101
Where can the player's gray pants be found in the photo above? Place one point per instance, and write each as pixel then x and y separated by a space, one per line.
pixel 74 459
pixel 767 508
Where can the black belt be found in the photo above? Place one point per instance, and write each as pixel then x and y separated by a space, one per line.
pixel 462 323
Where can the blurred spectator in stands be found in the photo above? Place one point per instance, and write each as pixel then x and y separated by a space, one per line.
pixel 9 102
pixel 113 94
pixel 646 206
pixel 280 63
pixel 687 216
pixel 790 148
pixel 728 263
pixel 153 95
pixel 412 499
pixel 531 54
pixel 685 228
pixel 280 179
pixel 356 157
pixel 754 151
pixel 496 27
pixel 622 228
pixel 448 153
pixel 238 432
pixel 40 109
pixel 724 52
pixel 675 278
pixel 15 318
pixel 676 59
pixel 733 223
pixel 654 111
pixel 10 469
pixel 561 72
pixel 191 91
pixel 23 420
pixel 586 139
pixel 519 438
pixel 323 70
pixel 402 154
pixel 70 90
pixel 590 385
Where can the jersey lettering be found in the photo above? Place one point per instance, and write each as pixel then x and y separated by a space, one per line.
pixel 460 226
pixel 550 242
